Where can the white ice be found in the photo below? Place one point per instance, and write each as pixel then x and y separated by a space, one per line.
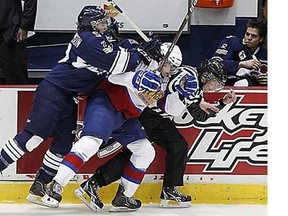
pixel 145 210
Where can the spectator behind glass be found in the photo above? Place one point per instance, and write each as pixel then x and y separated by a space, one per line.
pixel 245 59
pixel 14 25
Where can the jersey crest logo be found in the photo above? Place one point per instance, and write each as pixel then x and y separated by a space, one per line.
pixel 150 97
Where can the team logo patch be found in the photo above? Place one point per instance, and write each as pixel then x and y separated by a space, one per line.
pixel 150 97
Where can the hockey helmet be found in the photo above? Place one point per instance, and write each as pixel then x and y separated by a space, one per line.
pixel 175 57
pixel 90 16
pixel 213 69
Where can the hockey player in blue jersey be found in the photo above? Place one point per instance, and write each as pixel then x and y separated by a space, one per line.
pixel 245 60
pixel 89 59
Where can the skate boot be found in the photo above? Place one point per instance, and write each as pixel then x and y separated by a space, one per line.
pixel 171 197
pixel 88 194
pixel 36 191
pixel 121 203
pixel 53 196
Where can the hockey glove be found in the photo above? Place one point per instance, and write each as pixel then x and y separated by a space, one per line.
pixel 146 81
pixel 188 89
pixel 186 85
pixel 149 50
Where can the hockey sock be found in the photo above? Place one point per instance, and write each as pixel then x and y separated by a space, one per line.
pixel 10 153
pixel 68 168
pixel 51 163
pixel 131 179
pixel 3 163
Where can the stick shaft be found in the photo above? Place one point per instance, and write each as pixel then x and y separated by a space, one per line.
pixel 179 32
pixel 127 18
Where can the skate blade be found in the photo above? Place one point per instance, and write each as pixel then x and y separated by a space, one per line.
pixel 121 209
pixel 34 199
pixel 174 204
pixel 49 202
pixel 83 196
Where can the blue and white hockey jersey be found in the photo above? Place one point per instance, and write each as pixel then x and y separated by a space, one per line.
pixel 232 51
pixel 89 58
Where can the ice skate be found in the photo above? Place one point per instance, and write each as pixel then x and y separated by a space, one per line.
pixel 53 196
pixel 171 197
pixel 121 203
pixel 36 191
pixel 88 194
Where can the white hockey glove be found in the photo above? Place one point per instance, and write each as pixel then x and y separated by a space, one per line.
pixel 146 81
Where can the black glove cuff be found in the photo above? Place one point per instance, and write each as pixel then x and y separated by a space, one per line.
pixel 144 56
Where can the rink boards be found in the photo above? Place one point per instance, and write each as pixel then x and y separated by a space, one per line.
pixel 227 158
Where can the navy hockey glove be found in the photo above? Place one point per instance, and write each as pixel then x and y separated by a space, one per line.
pixel 149 50
pixel 146 81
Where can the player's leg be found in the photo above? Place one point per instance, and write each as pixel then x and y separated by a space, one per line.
pixel 167 136
pixel 134 138
pixel 61 145
pixel 46 112
pixel 100 120
pixel 104 175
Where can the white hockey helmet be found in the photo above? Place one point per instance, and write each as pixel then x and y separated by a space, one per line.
pixel 175 57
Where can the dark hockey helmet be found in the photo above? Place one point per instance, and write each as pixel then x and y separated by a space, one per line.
pixel 113 30
pixel 89 17
pixel 213 69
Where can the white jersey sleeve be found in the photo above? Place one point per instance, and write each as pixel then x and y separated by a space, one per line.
pixel 174 105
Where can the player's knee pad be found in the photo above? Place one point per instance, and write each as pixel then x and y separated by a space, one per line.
pixel 27 141
pixel 143 153
pixel 86 147
pixel 33 143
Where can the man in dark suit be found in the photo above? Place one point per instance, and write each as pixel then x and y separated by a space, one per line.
pixel 15 21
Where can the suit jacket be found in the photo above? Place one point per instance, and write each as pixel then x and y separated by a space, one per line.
pixel 11 14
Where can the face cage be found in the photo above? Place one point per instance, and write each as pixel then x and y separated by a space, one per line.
pixel 94 24
pixel 209 76
pixel 173 67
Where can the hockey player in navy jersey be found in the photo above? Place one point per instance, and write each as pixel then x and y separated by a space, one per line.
pixel 245 59
pixel 89 59
pixel 161 130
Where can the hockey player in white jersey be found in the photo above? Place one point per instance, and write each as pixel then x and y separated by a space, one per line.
pixel 162 131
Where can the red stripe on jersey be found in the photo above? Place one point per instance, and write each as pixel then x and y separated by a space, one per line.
pixel 120 99
pixel 133 174
pixel 73 161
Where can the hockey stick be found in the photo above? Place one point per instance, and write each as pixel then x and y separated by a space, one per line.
pixel 138 30
pixel 179 32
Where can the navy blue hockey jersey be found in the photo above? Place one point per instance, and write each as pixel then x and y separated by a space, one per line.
pixel 232 51
pixel 89 59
